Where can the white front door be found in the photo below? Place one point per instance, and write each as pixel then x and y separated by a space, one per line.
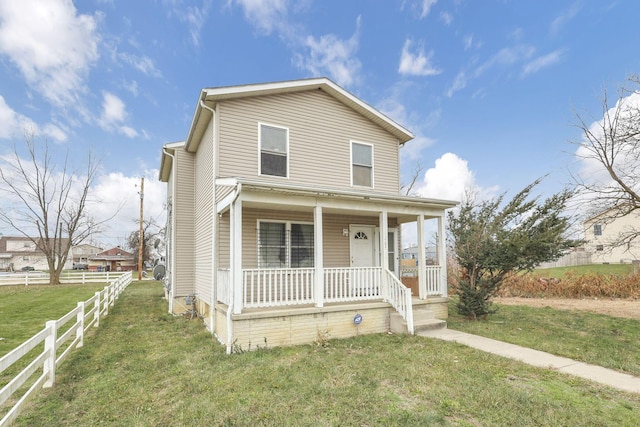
pixel 362 245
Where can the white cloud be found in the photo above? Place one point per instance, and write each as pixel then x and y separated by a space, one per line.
pixel 114 114
pixel 116 195
pixel 331 55
pixel 506 57
pixel 144 64
pixel 541 62
pixel 591 170
pixel 421 7
pixel 449 179
pixel 446 17
pixel 195 18
pixel 51 44
pixel 14 125
pixel 459 83
pixel 561 20
pixel 417 64
pixel 266 15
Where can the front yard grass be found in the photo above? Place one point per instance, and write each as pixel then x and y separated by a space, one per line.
pixel 24 310
pixel 144 367
pixel 601 340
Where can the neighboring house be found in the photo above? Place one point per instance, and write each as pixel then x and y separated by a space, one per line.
pixel 81 253
pixel 603 229
pixel 410 256
pixel 19 252
pixel 284 213
pixel 114 259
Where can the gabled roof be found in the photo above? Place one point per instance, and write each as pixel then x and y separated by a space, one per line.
pixel 210 96
pixel 166 160
pixel 113 254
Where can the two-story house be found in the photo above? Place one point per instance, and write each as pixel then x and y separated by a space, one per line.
pixel 284 214
pixel 18 252
pixel 609 238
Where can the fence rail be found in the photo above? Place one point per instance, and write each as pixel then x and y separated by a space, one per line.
pixel 42 278
pixel 59 338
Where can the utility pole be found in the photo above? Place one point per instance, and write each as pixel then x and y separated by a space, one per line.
pixel 140 236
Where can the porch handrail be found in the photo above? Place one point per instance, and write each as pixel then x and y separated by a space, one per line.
pixel 399 296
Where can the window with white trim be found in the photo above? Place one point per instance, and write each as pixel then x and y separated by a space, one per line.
pixel 285 245
pixel 597 229
pixel 274 150
pixel 361 164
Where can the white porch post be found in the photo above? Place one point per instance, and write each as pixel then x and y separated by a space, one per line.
pixel 318 260
pixel 442 256
pixel 384 251
pixel 236 255
pixel 422 268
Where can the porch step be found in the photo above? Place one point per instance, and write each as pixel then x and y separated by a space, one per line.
pixel 423 320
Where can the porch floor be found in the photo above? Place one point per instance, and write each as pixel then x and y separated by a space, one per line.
pixel 297 310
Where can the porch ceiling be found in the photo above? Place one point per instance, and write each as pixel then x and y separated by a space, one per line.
pixel 263 195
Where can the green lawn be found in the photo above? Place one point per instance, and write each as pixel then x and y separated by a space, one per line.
pixel 143 367
pixel 25 309
pixel 560 272
pixel 602 340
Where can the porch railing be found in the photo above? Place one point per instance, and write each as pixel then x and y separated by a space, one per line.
pixel 352 284
pixel 434 285
pixel 223 286
pixel 399 296
pixel 277 287
pixel 296 286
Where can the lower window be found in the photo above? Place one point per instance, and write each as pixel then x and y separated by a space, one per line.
pixel 285 245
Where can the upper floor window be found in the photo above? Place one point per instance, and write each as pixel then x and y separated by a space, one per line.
pixel 361 164
pixel 274 150
pixel 597 229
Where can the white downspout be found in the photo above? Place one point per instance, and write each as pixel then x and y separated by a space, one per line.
pixel 173 228
pixel 214 219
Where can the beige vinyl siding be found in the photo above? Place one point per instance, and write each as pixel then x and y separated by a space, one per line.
pixel 320 133
pixel 184 224
pixel 335 245
pixel 203 238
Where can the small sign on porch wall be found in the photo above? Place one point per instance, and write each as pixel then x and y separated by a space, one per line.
pixel 357 319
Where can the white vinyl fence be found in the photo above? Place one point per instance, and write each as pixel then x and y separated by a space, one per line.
pixel 59 338
pixel 42 278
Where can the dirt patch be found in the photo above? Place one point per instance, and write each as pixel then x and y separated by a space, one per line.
pixel 618 308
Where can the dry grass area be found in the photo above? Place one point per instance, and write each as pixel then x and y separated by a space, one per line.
pixel 628 308
pixel 572 285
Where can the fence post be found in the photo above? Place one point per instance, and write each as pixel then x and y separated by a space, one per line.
pixel 26 279
pixel 80 328
pixel 96 314
pixel 50 348
pixel 106 300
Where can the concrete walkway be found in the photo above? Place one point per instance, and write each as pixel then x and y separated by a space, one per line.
pixel 541 359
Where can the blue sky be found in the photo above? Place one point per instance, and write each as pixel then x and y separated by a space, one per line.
pixel 490 88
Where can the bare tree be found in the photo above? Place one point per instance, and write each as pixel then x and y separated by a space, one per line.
pixel 49 205
pixel 152 238
pixel 610 145
pixel 406 189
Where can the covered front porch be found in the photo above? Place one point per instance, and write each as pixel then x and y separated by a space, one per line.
pixel 332 249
